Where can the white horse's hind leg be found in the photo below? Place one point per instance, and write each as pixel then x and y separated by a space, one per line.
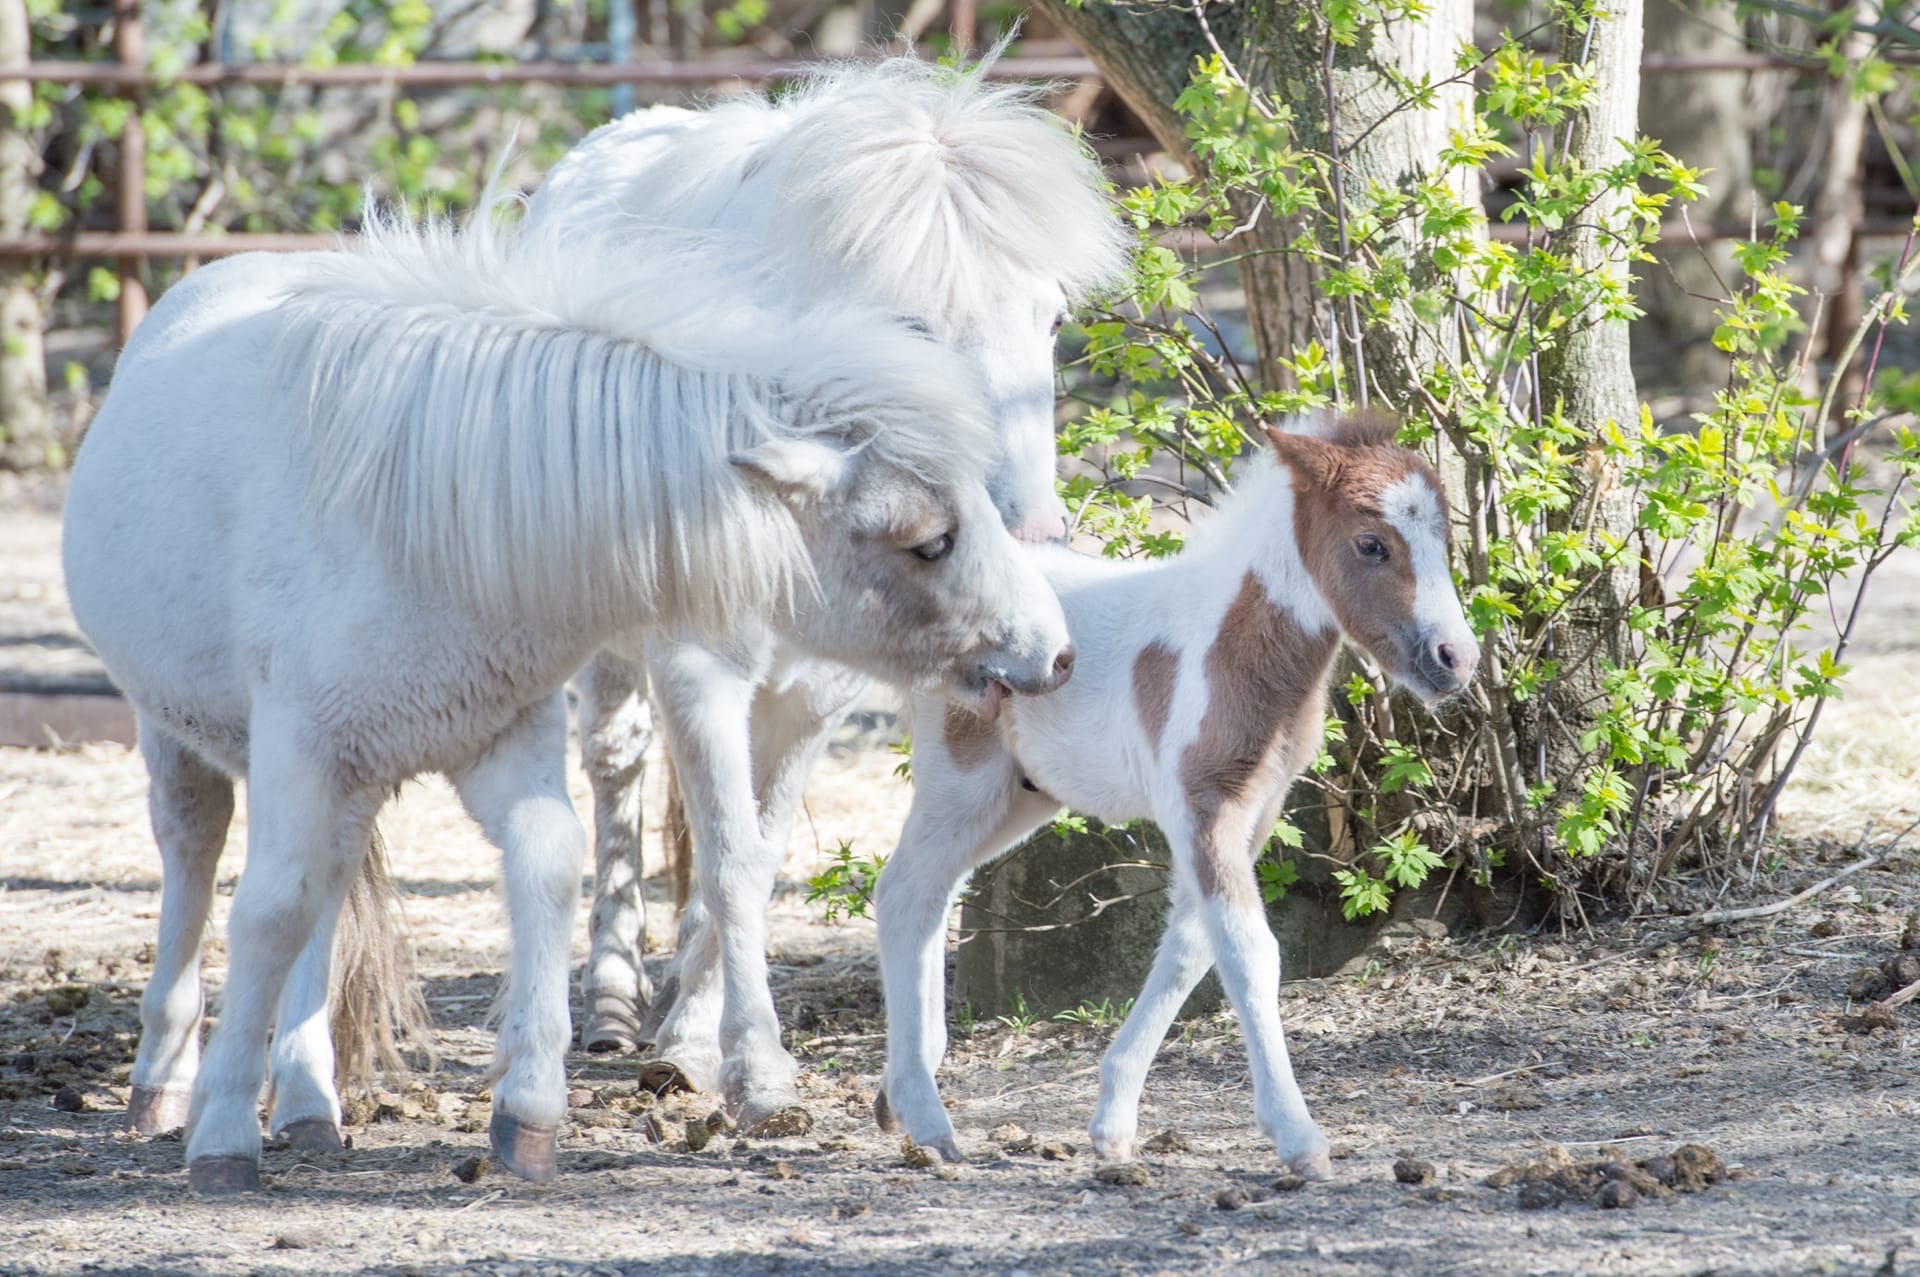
pixel 518 794
pixel 1179 963
pixel 616 726
pixel 706 702
pixel 306 1107
pixel 685 1029
pixel 305 841
pixel 792 718
pixel 191 805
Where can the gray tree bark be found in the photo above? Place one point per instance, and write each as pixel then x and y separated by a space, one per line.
pixel 1589 374
pixel 26 426
pixel 1704 121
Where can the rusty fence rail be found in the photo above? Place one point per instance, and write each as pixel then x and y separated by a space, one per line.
pixel 133 243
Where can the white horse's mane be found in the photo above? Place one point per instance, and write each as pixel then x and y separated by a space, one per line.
pixel 544 422
pixel 931 184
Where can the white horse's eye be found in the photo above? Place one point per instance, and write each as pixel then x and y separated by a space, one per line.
pixel 935 550
pixel 1058 320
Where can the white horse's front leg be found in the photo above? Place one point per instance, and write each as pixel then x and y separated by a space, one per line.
pixel 960 819
pixel 517 792
pixel 1182 959
pixel 616 727
pixel 191 805
pixel 305 842
pixel 1248 960
pixel 706 700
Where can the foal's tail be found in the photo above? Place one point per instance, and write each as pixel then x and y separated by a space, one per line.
pixel 376 997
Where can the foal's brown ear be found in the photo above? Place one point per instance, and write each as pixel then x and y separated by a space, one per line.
pixel 1302 452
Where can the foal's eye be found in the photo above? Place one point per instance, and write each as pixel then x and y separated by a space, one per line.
pixel 935 550
pixel 1371 547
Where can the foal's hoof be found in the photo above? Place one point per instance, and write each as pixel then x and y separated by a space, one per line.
pixel 1313 1164
pixel 883 1113
pixel 774 1119
pixel 312 1135
pixel 223 1176
pixel 153 1109
pixel 524 1148
pixel 664 1077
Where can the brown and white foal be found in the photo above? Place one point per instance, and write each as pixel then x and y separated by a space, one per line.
pixel 1199 692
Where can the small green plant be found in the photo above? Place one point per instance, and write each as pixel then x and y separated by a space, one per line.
pixel 964 1020
pixel 1021 1018
pixel 845 887
pixel 1097 1015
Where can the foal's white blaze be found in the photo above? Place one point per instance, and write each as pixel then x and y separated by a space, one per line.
pixel 1413 509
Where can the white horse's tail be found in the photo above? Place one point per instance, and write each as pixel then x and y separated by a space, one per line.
pixel 377 1000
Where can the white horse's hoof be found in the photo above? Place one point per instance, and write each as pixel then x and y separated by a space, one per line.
pixel 774 1117
pixel 312 1135
pixel 153 1109
pixel 948 1149
pixel 613 1024
pixel 664 1077
pixel 226 1176
pixel 525 1148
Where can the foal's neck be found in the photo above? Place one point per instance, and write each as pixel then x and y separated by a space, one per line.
pixel 1255 532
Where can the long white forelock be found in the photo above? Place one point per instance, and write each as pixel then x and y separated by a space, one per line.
pixel 440 364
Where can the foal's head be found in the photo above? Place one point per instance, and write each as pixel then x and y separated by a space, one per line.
pixel 1370 518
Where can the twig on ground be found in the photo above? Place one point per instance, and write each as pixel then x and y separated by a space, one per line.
pixel 1902 996
pixel 1714 917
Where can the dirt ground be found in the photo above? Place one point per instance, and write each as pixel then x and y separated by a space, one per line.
pixel 1471 1053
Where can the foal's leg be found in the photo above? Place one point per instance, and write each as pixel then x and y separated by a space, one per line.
pixel 792 718
pixel 305 841
pixel 959 821
pixel 706 700
pixel 1182 959
pixel 191 804
pixel 517 791
pixel 616 726
pixel 1248 959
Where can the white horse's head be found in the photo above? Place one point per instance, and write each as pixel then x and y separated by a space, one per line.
pixel 916 579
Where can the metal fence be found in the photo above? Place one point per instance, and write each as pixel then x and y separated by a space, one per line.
pixel 132 242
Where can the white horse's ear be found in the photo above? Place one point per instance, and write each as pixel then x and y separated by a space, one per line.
pixel 794 469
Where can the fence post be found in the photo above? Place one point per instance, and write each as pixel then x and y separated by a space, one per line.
pixel 26 431
pixel 130 50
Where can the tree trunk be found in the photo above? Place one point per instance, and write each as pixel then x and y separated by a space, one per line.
pixel 1704 121
pixel 1588 374
pixel 1147 56
pixel 26 427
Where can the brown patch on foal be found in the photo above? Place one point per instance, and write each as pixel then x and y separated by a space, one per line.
pixel 970 739
pixel 1154 671
pixel 1266 692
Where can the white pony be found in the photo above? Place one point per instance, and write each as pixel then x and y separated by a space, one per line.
pixel 350 517
pixel 1201 692
pixel 967 208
